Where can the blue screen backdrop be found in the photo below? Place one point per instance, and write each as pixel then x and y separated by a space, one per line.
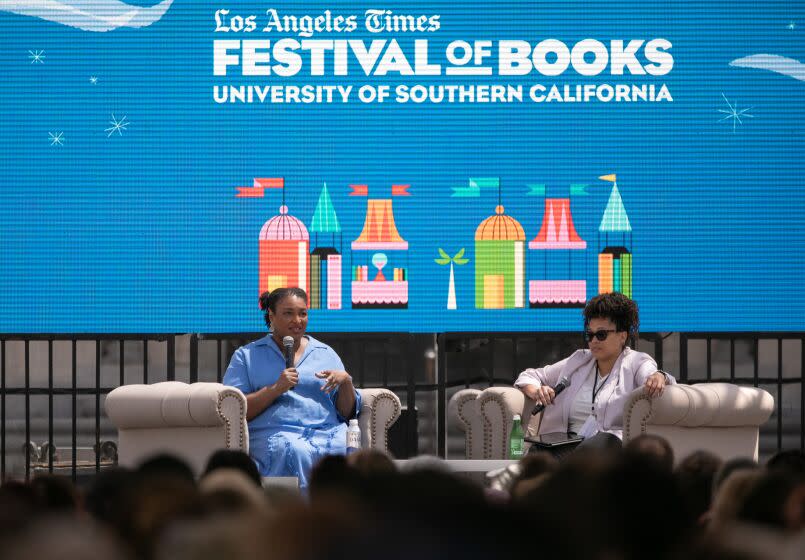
pixel 120 173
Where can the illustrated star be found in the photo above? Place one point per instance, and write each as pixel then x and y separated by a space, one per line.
pixel 117 126
pixel 56 138
pixel 93 80
pixel 792 26
pixel 37 56
pixel 734 113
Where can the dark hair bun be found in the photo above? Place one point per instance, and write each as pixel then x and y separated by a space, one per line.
pixel 264 301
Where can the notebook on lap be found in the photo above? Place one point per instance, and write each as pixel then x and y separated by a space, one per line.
pixel 553 439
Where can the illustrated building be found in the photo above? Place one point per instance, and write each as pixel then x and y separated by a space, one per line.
pixel 283 253
pixel 615 259
pixel 499 262
pixel 325 258
pixel 557 233
pixel 378 244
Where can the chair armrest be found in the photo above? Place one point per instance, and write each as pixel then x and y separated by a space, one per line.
pixel 380 408
pixel 498 406
pixel 463 411
pixel 173 404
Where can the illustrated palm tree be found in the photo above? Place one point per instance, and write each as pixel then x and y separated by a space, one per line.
pixel 444 260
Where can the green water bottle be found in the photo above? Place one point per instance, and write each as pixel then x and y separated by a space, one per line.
pixel 516 439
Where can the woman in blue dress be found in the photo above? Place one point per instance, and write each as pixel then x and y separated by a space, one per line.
pixel 296 415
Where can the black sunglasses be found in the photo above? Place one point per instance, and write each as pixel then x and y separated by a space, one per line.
pixel 600 334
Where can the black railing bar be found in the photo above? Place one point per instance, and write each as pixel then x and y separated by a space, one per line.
pixel 145 361
pixel 802 394
pixel 683 358
pixel 779 394
pixel 410 390
pixel 446 367
pixel 659 355
pixel 27 407
pixel 732 359
pixel 218 366
pixel 440 377
pixel 361 365
pixel 171 342
pixel 97 406
pixel 2 411
pixel 75 408
pixel 50 405
pixel 384 374
pixel 121 360
pixel 491 373
pixel 193 358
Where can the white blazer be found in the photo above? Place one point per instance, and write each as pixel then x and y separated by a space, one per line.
pixel 631 371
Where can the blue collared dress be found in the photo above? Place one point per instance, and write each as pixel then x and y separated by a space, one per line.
pixel 302 425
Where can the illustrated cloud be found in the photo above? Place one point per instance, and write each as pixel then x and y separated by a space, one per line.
pixel 773 63
pixel 89 15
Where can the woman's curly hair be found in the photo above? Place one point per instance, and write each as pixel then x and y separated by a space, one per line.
pixel 617 308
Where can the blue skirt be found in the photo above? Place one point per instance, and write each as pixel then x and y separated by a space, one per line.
pixel 293 451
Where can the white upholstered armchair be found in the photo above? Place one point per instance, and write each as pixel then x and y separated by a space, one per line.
pixel 722 418
pixel 192 421
pixel 719 417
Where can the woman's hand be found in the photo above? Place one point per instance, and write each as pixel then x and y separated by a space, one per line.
pixel 333 379
pixel 655 384
pixel 287 380
pixel 543 395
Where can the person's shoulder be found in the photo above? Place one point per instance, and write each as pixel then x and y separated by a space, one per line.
pixel 581 355
pixel 635 356
pixel 253 345
pixel 576 360
pixel 321 349
pixel 316 344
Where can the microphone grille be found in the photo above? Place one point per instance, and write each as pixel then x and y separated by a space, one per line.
pixel 287 341
pixel 564 381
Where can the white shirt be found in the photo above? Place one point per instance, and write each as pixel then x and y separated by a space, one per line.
pixel 582 404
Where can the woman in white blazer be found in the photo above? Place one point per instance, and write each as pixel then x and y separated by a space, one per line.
pixel 601 376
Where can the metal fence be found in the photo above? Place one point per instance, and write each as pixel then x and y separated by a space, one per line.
pixel 776 375
pixel 37 371
pixel 66 384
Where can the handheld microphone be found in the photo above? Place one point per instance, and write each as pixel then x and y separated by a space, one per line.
pixel 287 343
pixel 563 384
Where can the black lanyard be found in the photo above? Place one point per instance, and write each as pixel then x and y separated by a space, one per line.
pixel 595 383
